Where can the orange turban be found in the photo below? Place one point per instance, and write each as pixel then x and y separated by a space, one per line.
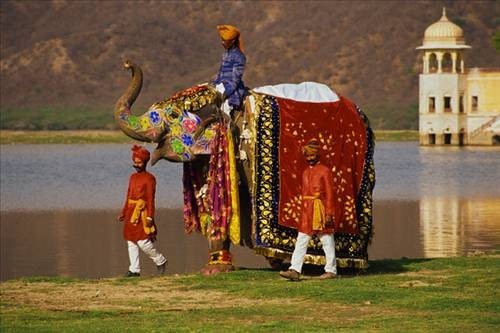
pixel 141 153
pixel 311 147
pixel 230 32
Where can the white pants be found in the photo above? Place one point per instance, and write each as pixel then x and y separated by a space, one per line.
pixel 226 108
pixel 147 246
pixel 301 248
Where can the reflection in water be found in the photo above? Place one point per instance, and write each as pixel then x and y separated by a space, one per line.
pixel 396 230
pixel 452 226
pixel 61 238
pixel 89 244
pixel 440 226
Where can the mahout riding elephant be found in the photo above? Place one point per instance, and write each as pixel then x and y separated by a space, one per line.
pixel 241 181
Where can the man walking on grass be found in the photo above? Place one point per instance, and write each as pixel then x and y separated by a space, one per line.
pixel 317 214
pixel 138 215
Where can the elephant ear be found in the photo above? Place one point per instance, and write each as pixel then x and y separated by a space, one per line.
pixel 201 146
pixel 186 124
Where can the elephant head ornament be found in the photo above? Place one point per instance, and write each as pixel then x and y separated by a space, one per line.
pixel 180 125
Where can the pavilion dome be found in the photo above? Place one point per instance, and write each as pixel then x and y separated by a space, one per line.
pixel 443 34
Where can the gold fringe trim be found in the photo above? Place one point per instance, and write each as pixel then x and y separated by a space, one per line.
pixel 222 257
pixel 312 259
pixel 234 222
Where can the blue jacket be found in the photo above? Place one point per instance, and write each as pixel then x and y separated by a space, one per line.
pixel 231 76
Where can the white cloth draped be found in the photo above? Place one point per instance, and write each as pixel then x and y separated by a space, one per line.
pixel 303 92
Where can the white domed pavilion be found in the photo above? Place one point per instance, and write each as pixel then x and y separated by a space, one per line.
pixel 457 106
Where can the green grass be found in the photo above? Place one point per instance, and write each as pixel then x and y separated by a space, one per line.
pixel 56 118
pixel 392 117
pixel 407 295
pixel 103 136
pixel 62 137
pixel 396 135
pixel 382 117
pixel 56 124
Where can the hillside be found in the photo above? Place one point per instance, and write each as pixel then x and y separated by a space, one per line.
pixel 61 60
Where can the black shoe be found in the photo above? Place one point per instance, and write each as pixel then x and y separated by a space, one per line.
pixel 132 274
pixel 161 268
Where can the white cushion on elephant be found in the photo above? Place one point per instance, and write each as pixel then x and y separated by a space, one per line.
pixel 303 92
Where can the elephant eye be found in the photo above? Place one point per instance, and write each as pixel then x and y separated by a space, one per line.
pixel 173 116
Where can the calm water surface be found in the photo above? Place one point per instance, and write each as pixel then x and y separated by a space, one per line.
pixel 58 204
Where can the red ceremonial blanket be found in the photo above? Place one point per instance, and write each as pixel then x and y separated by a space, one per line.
pixel 342 134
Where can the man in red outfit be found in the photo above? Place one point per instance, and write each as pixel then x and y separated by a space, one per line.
pixel 138 215
pixel 317 214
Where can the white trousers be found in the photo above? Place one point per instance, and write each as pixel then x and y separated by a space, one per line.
pixel 148 247
pixel 301 248
pixel 226 108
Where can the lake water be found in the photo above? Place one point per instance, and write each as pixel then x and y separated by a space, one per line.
pixel 58 205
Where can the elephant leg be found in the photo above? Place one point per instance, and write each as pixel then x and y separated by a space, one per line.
pixel 220 259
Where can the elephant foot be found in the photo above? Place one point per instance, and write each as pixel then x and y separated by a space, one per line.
pixel 218 262
pixel 213 269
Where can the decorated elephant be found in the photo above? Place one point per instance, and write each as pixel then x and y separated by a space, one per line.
pixel 242 173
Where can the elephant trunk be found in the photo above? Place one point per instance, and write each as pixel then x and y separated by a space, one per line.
pixel 124 104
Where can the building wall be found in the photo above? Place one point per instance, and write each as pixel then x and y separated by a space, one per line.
pixel 486 85
pixel 475 126
pixel 482 123
pixel 440 123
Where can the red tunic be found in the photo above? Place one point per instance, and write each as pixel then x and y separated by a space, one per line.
pixel 317 181
pixel 142 185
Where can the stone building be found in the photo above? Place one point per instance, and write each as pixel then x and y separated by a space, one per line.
pixel 457 105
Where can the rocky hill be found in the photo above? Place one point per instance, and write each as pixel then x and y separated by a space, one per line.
pixel 66 55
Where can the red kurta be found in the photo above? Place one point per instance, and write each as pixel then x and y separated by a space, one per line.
pixel 142 185
pixel 342 133
pixel 317 181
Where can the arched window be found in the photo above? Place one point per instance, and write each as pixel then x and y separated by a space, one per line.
pixel 447 103
pixel 432 138
pixel 431 107
pixel 457 63
pixel 447 64
pixel 447 138
pixel 475 102
pixel 461 137
pixel 433 63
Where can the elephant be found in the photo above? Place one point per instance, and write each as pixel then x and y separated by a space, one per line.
pixel 240 171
